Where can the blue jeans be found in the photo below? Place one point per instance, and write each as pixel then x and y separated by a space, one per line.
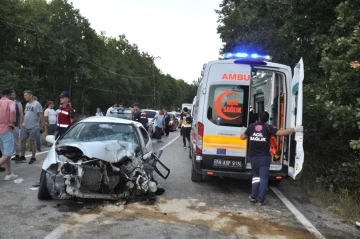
pixel 260 166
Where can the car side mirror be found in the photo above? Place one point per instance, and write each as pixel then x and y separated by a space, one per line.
pixel 50 139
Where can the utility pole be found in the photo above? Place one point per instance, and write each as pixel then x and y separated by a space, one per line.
pixel 153 78
pixel 36 49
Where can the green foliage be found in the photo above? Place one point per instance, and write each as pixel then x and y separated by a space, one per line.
pixel 49 47
pixel 326 34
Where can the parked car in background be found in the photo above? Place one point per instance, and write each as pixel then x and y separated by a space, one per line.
pixel 177 115
pixel 121 113
pixel 174 122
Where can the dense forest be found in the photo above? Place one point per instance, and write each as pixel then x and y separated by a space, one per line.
pixel 49 47
pixel 327 35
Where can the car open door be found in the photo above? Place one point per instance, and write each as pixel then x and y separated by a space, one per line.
pixel 296 103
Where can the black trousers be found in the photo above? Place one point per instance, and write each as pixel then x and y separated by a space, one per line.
pixel 167 129
pixel 186 134
pixel 158 133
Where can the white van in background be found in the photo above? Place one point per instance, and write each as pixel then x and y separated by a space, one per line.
pixel 187 105
pixel 226 91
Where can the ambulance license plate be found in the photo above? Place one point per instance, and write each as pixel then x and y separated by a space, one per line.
pixel 227 163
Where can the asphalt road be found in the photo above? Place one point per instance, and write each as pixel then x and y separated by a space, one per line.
pixel 215 208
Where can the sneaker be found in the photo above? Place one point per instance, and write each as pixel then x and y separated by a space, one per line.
pixel 188 146
pixel 263 203
pixel 12 176
pixel 184 146
pixel 252 200
pixel 39 150
pixel 15 158
pixel 32 160
pixel 21 159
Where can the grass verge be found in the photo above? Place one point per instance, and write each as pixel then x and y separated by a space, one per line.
pixel 341 204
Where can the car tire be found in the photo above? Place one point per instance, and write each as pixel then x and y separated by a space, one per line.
pixel 190 153
pixel 195 176
pixel 274 183
pixel 43 193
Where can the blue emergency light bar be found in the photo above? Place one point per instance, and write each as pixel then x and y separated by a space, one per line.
pixel 243 55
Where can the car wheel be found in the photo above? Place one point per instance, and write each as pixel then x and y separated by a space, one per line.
pixel 43 193
pixel 190 153
pixel 274 183
pixel 195 176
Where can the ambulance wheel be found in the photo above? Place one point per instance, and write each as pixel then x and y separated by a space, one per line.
pixel 195 176
pixel 274 183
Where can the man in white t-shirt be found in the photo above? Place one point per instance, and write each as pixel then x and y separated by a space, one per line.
pixel 110 109
pixel 50 118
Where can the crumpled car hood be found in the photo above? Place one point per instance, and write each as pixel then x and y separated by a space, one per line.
pixel 111 151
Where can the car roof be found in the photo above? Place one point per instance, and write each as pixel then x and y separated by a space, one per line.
pixel 150 110
pixel 106 119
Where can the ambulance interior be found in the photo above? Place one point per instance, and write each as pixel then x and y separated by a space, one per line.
pixel 267 93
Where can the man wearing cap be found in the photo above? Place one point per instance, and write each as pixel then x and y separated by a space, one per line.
pixel 33 123
pixel 50 118
pixel 65 114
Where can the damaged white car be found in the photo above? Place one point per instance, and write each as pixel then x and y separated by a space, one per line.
pixel 102 158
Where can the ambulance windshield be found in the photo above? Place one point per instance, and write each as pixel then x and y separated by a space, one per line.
pixel 228 105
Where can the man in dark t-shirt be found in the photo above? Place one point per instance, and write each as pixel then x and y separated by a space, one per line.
pixel 259 152
pixel 139 116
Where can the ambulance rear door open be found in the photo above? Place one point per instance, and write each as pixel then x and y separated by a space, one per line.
pixel 296 159
pixel 272 90
pixel 268 88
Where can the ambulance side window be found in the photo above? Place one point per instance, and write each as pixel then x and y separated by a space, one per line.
pixel 228 105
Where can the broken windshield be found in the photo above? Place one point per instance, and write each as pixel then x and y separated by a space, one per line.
pixel 90 132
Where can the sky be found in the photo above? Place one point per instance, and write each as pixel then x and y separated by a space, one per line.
pixel 183 33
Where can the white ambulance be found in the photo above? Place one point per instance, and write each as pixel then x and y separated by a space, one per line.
pixel 231 93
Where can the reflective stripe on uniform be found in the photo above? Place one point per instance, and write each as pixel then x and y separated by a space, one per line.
pixel 64 112
pixel 256 180
pixel 62 125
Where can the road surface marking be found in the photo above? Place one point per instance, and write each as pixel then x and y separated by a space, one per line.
pixel 64 228
pixel 39 153
pixel 172 141
pixel 307 224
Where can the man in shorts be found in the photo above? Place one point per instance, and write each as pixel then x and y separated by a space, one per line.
pixel 18 122
pixel 33 123
pixel 7 124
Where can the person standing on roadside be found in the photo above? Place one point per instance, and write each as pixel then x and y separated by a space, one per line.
pixel 98 112
pixel 38 139
pixel 50 118
pixel 186 123
pixel 65 114
pixel 166 122
pixel 139 116
pixel 7 124
pixel 259 152
pixel 159 125
pixel 112 107
pixel 18 123
pixel 33 123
